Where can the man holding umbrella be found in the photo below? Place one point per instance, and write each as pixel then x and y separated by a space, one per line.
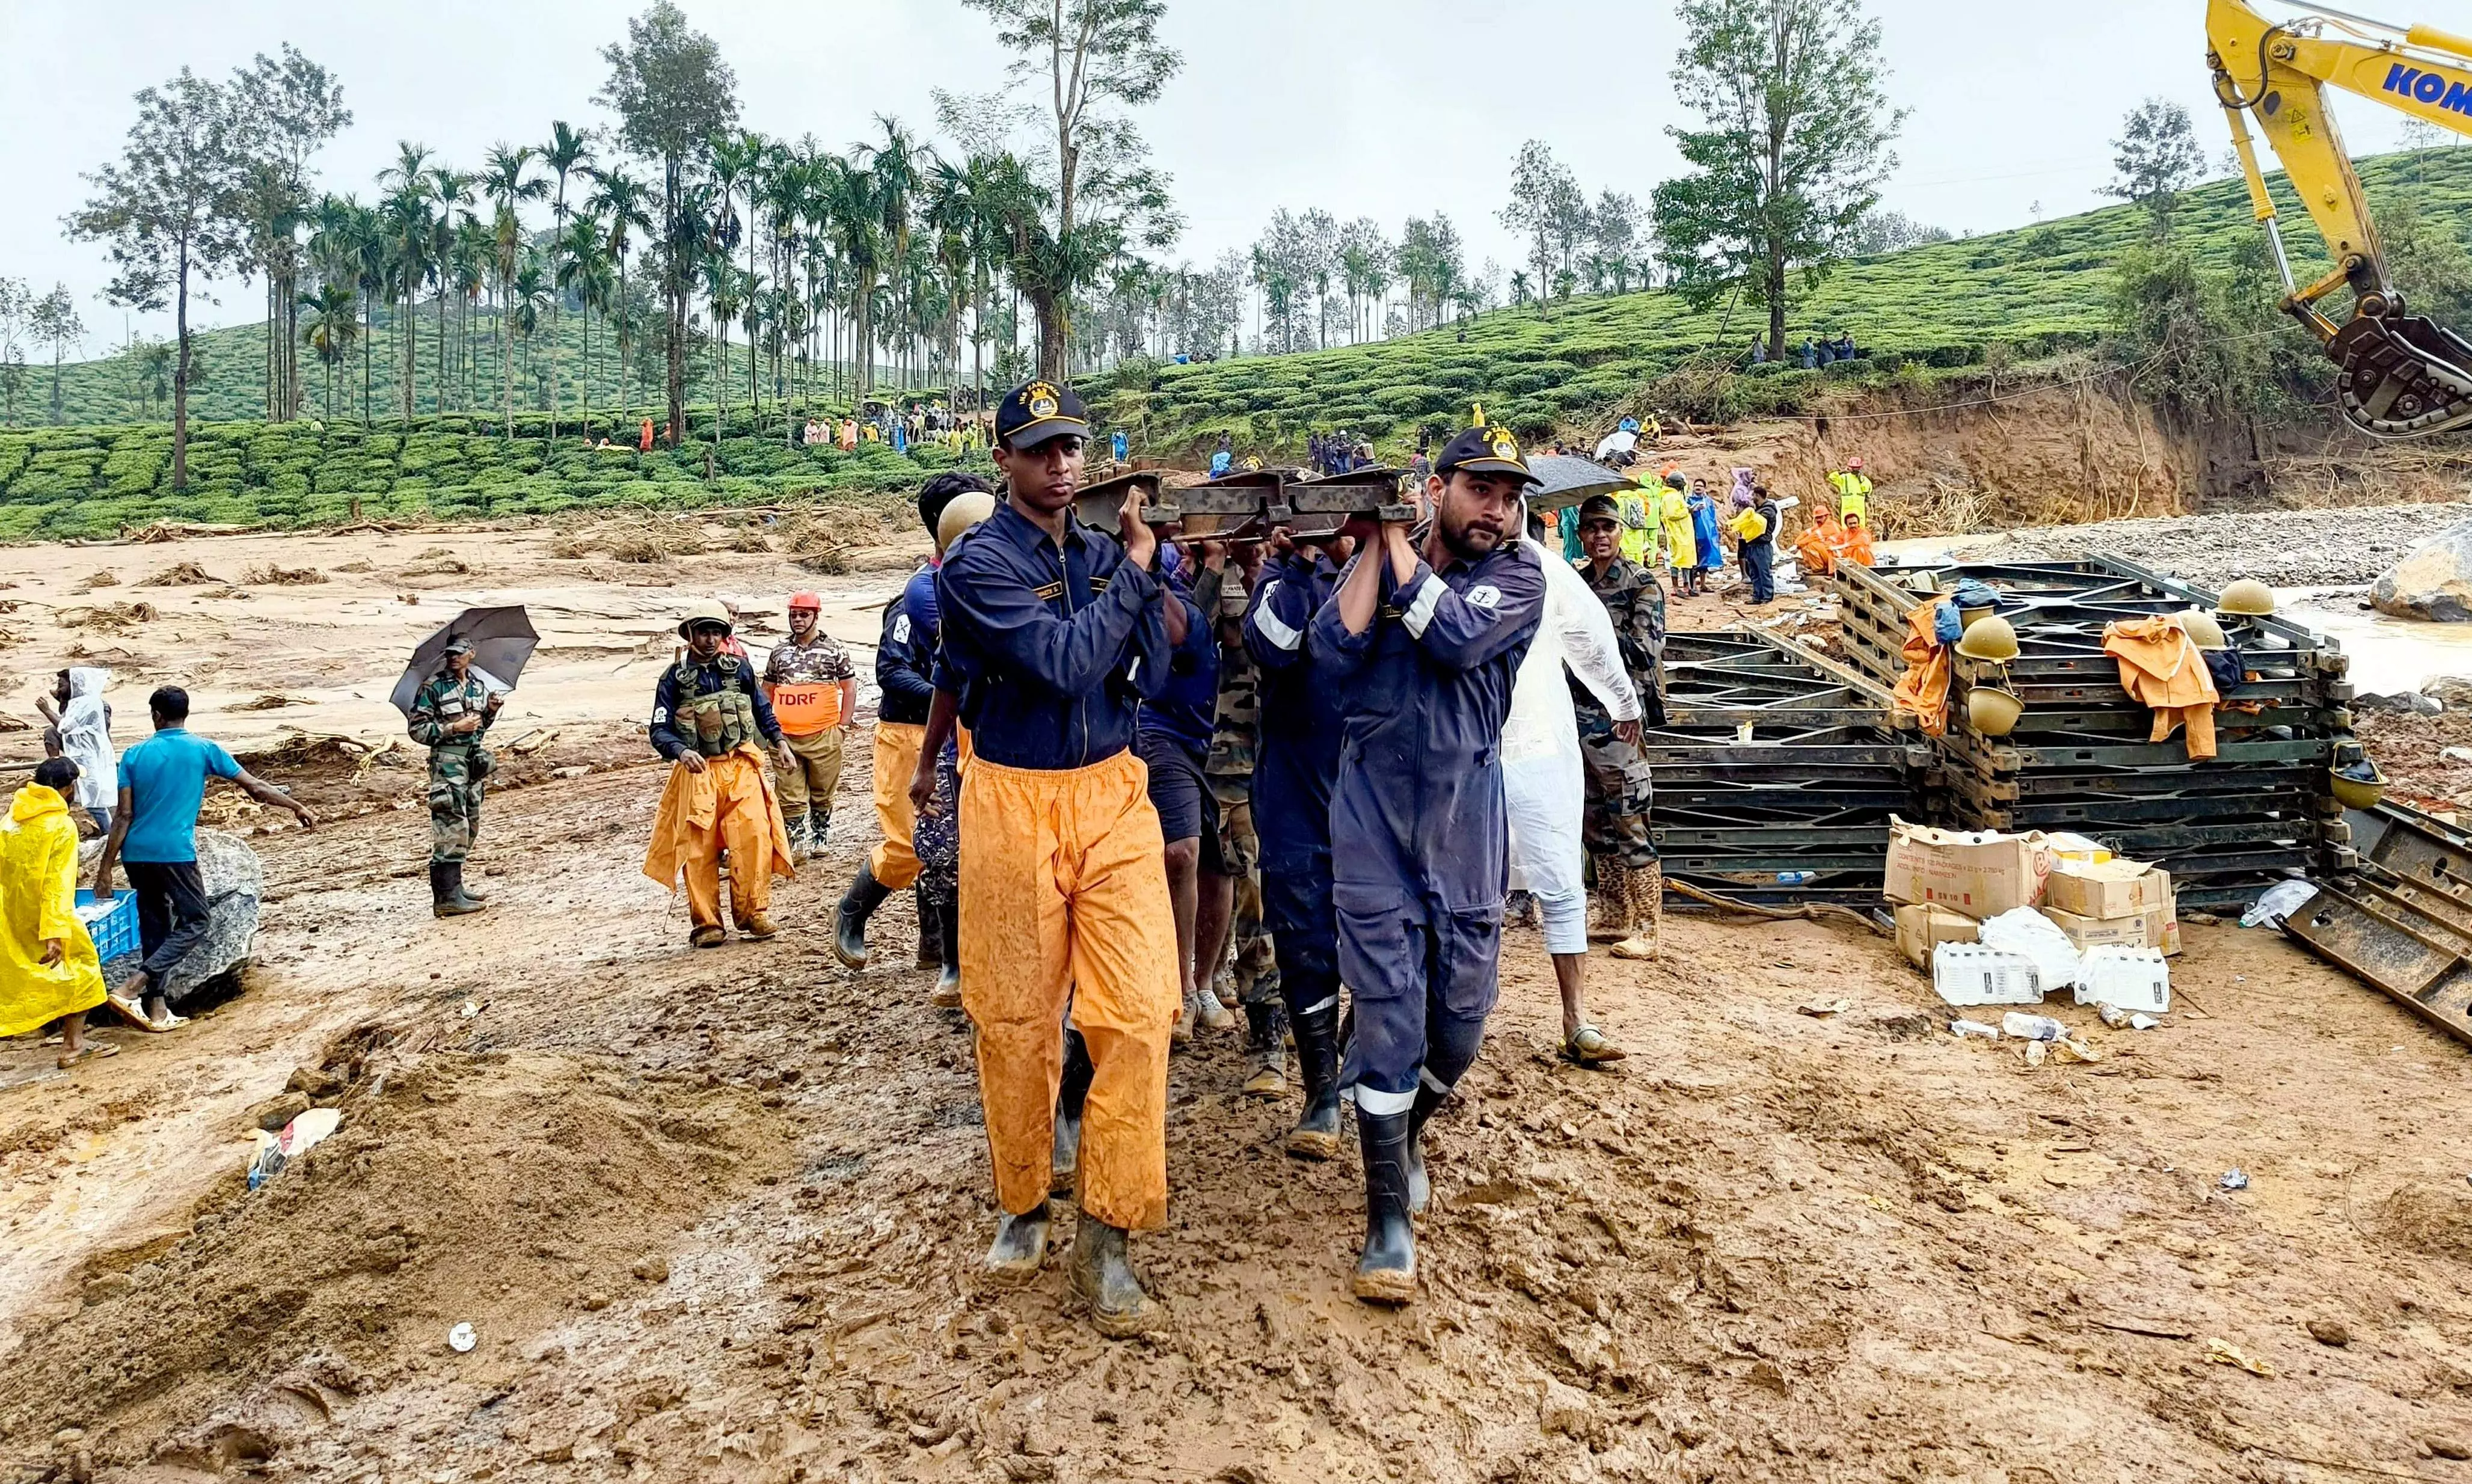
pixel 449 716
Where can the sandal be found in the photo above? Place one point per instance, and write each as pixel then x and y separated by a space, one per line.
pixel 1590 1046
pixel 93 1050
pixel 134 1014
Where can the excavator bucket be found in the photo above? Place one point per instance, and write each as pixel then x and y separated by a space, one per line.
pixel 2401 375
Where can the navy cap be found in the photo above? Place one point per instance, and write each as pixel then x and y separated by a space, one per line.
pixel 1037 411
pixel 1484 451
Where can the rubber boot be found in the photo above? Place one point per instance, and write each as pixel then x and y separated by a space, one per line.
pixel 948 983
pixel 1316 1136
pixel 1265 1053
pixel 1420 1189
pixel 1643 895
pixel 1612 901
pixel 1385 1272
pixel 819 826
pixel 1102 1275
pixel 849 920
pixel 463 889
pixel 931 937
pixel 1072 1090
pixel 795 826
pixel 446 899
pixel 1020 1246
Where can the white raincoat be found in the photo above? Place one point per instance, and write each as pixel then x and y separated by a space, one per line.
pixel 85 738
pixel 1542 782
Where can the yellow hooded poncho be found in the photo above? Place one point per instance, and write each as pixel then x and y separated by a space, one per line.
pixel 38 864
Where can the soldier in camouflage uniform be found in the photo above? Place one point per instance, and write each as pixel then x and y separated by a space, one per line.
pixel 449 717
pixel 1232 880
pixel 1629 882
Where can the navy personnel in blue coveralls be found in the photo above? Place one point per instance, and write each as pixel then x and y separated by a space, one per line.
pixel 1299 713
pixel 1425 632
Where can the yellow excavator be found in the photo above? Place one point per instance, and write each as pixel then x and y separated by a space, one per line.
pixel 2398 374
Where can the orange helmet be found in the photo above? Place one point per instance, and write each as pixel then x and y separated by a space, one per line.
pixel 1855 462
pixel 806 600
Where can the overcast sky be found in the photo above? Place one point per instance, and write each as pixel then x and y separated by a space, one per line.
pixel 1378 107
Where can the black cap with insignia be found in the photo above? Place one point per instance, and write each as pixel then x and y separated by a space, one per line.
pixel 1484 451
pixel 1037 411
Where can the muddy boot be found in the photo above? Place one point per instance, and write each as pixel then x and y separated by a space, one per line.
pixel 446 899
pixel 1385 1272
pixel 819 823
pixel 1612 900
pixel 463 888
pixel 849 920
pixel 948 983
pixel 1064 1162
pixel 931 938
pixel 1265 1053
pixel 795 827
pixel 1316 1136
pixel 1102 1275
pixel 1635 897
pixel 1020 1246
pixel 1211 1012
pixel 758 925
pixel 1420 1189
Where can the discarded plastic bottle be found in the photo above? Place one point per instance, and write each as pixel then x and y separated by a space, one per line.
pixel 1796 877
pixel 2025 1027
pixel 2111 1015
pixel 1963 1028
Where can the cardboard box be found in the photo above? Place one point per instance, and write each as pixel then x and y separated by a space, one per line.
pixel 1980 874
pixel 2113 889
pixel 2155 928
pixel 1921 928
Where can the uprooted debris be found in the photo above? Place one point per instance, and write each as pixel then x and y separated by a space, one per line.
pixel 269 702
pixel 182 574
pixel 107 578
pixel 273 575
pixel 107 616
pixel 641 541
pixel 815 543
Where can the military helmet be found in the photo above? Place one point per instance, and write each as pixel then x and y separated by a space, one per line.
pixel 2355 778
pixel 705 610
pixel 961 512
pixel 1989 637
pixel 2204 629
pixel 1992 711
pixel 2248 597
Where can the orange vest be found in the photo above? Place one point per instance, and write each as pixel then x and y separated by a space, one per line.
pixel 805 707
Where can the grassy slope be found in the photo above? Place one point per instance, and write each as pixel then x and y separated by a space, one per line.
pixel 2039 290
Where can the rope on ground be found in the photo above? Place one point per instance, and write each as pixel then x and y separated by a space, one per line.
pixel 1809 912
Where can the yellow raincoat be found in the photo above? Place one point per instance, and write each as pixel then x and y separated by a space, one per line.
pixel 38 858
pixel 1681 547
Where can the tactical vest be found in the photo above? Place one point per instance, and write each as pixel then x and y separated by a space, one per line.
pixel 716 721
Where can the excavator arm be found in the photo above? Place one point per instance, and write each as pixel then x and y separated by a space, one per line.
pixel 2398 374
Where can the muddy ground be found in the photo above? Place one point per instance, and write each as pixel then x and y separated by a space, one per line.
pixel 716 1215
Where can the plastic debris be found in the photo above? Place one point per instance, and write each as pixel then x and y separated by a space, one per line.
pixel 2277 902
pixel 2234 1179
pixel 2131 978
pixel 2027 931
pixel 2035 1051
pixel 2143 1022
pixel 2223 1352
pixel 2068 1048
pixel 470 1009
pixel 462 1339
pixel 1971 973
pixel 1961 1029
pixel 2025 1027
pixel 275 1151
pixel 2111 1015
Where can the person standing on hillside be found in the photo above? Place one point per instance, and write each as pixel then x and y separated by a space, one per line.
pixel 1671 505
pixel 1704 537
pixel 155 834
pixel 449 716
pixel 1425 633
pixel 80 730
pixel 1619 789
pixel 1853 491
pixel 48 967
pixel 1052 636
pixel 710 719
pixel 905 671
pixel 813 687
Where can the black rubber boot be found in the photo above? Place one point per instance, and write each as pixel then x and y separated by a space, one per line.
pixel 931 934
pixel 1316 1136
pixel 1064 1164
pixel 1420 1190
pixel 1020 1246
pixel 1386 1273
pixel 446 899
pixel 849 920
pixel 948 926
pixel 1102 1275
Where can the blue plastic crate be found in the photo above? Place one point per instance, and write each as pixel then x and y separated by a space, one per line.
pixel 115 931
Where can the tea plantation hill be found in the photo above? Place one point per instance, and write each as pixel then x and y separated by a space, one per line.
pixel 94 481
pixel 2039 290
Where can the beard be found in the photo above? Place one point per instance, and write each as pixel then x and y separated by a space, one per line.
pixel 1466 541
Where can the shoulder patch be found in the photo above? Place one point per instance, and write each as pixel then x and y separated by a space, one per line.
pixel 1049 592
pixel 1485 595
pixel 902 628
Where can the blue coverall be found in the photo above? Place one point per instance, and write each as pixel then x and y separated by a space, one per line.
pixel 1301 712
pixel 1417 829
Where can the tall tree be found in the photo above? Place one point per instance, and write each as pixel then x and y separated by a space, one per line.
pixel 289 108
pixel 16 312
pixel 1542 189
pixel 1613 233
pixel 1793 146
pixel 673 94
pixel 504 181
pixel 54 322
pixel 567 152
pixel 1097 58
pixel 2157 157
pixel 333 325
pixel 170 208
pixel 617 200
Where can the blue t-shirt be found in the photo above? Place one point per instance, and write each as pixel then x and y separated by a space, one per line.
pixel 166 778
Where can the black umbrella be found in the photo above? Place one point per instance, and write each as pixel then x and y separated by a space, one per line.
pixel 502 641
pixel 1568 479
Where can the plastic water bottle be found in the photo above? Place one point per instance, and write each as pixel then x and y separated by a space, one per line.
pixel 1964 1028
pixel 2027 1027
pixel 1796 877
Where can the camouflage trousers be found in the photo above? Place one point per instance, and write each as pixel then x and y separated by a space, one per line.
pixel 1618 793
pixel 1254 969
pixel 456 779
pixel 936 837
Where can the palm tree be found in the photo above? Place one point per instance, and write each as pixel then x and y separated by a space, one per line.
pixel 467 270
pixel 503 181
pixel 856 225
pixel 452 190
pixel 579 261
pixel 407 224
pixel 531 301
pixel 566 153
pixel 619 201
pixel 334 325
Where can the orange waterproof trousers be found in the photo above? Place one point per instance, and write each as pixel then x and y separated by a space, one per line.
pixel 892 862
pixel 728 806
pixel 1064 902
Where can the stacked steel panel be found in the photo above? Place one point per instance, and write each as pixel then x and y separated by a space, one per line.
pixel 2080 760
pixel 1776 770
